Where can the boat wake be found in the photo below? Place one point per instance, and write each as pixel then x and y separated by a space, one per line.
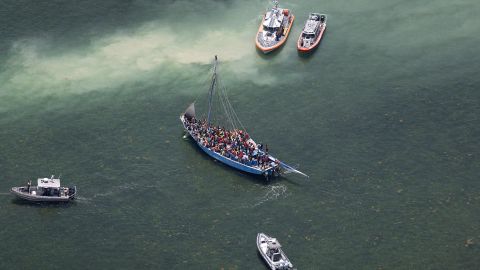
pixel 272 193
pixel 83 199
pixel 115 190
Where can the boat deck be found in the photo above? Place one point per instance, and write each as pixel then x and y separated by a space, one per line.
pixel 254 169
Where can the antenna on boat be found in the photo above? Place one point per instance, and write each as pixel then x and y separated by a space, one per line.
pixel 212 88
pixel 275 2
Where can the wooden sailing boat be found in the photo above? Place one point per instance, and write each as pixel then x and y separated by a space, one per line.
pixel 233 146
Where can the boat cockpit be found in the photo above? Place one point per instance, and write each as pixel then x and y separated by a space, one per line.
pixel 308 35
pixel 276 257
pixel 269 30
pixel 273 250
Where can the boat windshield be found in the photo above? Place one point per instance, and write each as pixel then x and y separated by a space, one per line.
pixel 276 257
pixel 269 29
pixel 305 35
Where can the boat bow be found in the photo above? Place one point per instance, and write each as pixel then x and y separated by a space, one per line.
pixel 289 169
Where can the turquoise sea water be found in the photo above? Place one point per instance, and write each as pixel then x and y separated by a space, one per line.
pixel 384 117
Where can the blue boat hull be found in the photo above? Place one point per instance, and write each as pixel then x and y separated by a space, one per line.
pixel 229 162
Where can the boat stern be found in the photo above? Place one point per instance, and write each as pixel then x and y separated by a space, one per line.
pixel 72 192
pixel 304 50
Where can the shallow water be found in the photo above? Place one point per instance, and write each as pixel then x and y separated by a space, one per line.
pixel 384 117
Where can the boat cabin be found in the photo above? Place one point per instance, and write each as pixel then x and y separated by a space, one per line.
pixel 49 187
pixel 311 29
pixel 273 250
pixel 273 20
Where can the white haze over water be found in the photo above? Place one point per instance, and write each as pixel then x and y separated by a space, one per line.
pixel 119 58
pixel 163 50
pixel 155 53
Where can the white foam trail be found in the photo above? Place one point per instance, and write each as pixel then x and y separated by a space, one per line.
pixel 273 192
pixel 83 199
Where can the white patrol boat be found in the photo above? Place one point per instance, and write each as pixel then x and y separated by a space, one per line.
pixel 47 190
pixel 312 32
pixel 271 251
pixel 274 29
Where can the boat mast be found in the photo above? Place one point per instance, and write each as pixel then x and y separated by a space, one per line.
pixel 212 88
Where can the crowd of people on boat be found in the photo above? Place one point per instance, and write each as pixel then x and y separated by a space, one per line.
pixel 234 144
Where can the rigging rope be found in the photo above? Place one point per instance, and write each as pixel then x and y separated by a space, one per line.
pixel 229 113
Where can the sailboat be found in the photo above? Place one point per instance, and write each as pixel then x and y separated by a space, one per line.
pixel 231 146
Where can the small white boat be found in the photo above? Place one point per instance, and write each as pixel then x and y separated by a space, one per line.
pixel 47 190
pixel 271 251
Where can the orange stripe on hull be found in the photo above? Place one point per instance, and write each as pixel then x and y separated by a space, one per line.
pixel 276 46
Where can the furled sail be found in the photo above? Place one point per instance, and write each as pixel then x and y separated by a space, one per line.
pixel 190 111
